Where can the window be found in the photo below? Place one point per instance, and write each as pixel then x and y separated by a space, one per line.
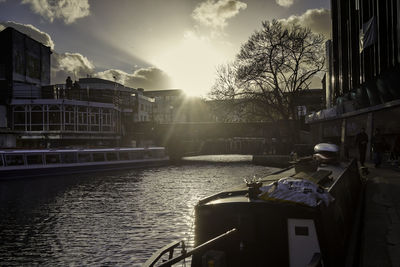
pixel 34 159
pixel 84 157
pixel 69 118
pixel 52 158
pixel 82 119
pixel 54 118
pixel 135 155
pixel 124 155
pixel 37 118
pixel 106 120
pixel 14 160
pixel 94 117
pixel 98 157
pixel 112 156
pixel 19 118
pixel 1 161
pixel 69 157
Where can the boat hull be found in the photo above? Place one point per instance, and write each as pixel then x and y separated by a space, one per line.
pixel 263 226
pixel 76 168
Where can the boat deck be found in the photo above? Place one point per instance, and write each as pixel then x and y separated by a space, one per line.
pixel 330 174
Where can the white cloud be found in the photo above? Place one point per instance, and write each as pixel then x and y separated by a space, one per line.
pixel 318 20
pixel 215 14
pixel 285 3
pixel 69 64
pixel 148 78
pixel 31 31
pixel 66 10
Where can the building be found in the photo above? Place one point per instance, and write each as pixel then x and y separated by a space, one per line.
pixel 145 105
pixel 89 113
pixel 363 74
pixel 168 106
pixel 24 66
pixel 307 101
pixel 364 53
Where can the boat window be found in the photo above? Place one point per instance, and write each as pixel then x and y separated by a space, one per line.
pixel 14 160
pixel 301 230
pixel 1 161
pixel 68 157
pixel 84 157
pixel 161 153
pixel 52 158
pixel 157 153
pixel 147 154
pixel 136 155
pixel 111 156
pixel 98 157
pixel 124 155
pixel 34 159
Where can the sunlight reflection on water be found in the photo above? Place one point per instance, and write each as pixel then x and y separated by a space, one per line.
pixel 110 219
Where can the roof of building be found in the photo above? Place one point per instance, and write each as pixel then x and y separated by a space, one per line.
pixel 168 92
pixel 11 29
pixel 98 80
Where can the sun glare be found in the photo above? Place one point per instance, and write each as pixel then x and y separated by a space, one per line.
pixel 192 64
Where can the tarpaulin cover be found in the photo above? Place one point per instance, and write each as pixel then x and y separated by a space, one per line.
pixel 296 190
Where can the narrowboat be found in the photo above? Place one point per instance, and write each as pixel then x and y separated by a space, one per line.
pixel 240 228
pixel 30 163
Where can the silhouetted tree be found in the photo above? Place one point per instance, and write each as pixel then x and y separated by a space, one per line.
pixel 274 65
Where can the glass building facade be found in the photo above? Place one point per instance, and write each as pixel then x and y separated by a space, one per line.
pixel 364 53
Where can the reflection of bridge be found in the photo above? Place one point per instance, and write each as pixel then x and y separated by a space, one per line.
pixel 213 138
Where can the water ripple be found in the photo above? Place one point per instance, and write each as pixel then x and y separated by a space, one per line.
pixel 109 219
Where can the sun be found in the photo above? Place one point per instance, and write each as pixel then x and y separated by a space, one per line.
pixel 191 64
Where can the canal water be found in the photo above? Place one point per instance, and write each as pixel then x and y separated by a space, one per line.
pixel 110 219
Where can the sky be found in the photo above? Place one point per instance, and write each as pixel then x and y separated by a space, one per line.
pixel 151 44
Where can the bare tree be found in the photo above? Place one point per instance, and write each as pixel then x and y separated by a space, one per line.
pixel 272 67
pixel 228 104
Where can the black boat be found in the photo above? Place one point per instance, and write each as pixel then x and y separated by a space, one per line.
pixel 237 228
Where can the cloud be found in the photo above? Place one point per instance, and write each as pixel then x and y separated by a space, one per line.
pixel 31 31
pixel 69 64
pixel 67 10
pixel 285 3
pixel 215 14
pixel 318 20
pixel 148 78
pixel 77 65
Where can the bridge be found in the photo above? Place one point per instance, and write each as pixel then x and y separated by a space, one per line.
pixel 205 138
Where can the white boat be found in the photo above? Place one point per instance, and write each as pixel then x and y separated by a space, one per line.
pixel 44 162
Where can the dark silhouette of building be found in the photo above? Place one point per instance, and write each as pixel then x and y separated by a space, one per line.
pixel 364 54
pixel 24 66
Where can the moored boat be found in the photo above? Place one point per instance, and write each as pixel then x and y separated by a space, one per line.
pixel 239 228
pixel 31 163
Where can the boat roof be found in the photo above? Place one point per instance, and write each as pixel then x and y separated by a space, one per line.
pixel 66 150
pixel 239 193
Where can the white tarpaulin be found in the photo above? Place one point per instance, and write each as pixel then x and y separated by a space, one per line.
pixel 296 190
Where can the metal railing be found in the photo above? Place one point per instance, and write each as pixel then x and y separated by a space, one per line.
pixel 153 260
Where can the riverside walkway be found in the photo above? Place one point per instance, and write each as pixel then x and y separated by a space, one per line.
pixel 380 240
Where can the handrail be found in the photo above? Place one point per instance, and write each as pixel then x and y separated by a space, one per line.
pixel 185 254
pixel 159 253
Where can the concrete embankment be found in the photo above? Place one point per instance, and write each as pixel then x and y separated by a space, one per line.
pixel 380 243
pixel 279 161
